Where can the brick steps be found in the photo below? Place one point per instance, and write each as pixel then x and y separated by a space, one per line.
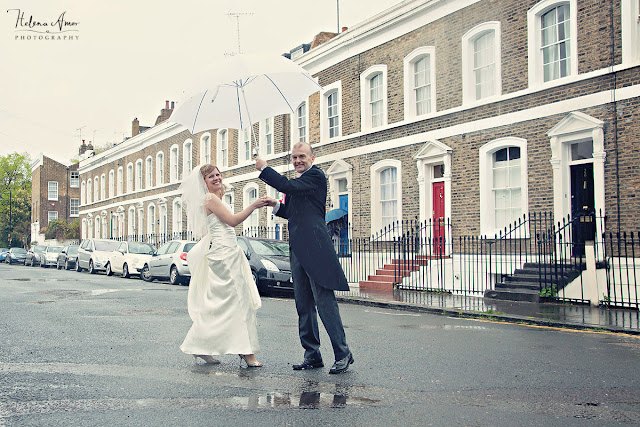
pixel 392 274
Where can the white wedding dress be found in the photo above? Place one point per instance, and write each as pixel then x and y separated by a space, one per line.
pixel 223 297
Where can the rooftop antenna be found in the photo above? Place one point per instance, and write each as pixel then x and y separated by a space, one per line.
pixel 338 14
pixel 80 130
pixel 237 15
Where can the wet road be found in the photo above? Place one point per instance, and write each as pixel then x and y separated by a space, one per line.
pixel 88 350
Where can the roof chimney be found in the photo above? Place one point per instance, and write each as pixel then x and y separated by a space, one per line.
pixel 135 127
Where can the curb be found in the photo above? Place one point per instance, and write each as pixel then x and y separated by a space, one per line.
pixel 453 312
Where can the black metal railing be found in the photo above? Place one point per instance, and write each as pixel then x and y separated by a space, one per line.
pixel 622 269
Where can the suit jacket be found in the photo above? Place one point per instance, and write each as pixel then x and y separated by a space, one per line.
pixel 305 208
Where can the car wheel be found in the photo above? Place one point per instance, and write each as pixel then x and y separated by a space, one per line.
pixel 91 270
pixel 109 272
pixel 78 268
pixel 58 266
pixel 146 274
pixel 66 265
pixel 174 277
pixel 125 271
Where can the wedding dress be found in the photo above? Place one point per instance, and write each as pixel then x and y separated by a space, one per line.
pixel 223 297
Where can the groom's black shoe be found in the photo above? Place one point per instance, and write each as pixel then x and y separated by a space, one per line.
pixel 309 364
pixel 341 365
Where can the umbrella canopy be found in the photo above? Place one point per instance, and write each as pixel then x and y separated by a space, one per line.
pixel 335 214
pixel 245 89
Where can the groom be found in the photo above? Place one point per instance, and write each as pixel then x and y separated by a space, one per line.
pixel 314 263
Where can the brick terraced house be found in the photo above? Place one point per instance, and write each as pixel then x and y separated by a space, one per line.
pixel 465 114
pixel 55 194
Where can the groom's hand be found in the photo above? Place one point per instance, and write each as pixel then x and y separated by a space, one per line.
pixel 260 164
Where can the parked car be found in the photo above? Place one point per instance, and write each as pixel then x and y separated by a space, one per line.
pixel 67 257
pixel 3 253
pixel 93 254
pixel 16 256
pixel 129 258
pixel 270 266
pixel 34 255
pixel 50 256
pixel 169 261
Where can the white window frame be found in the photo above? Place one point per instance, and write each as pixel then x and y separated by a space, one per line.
pixel 335 87
pixel 120 182
pixel 83 195
pixel 366 119
pixel 152 217
pixel 244 137
pixel 96 189
pixel 52 190
pixel 89 190
pixel 103 187
pixel 148 176
pixel 83 230
pixel 376 210
pixel 468 75
pixel 112 175
pixel 266 149
pixel 131 222
pixel 174 162
pixel 130 177
pixel 231 195
pixel 487 202
pixel 74 211
pixel 295 123
pixel 176 212
pixel 160 167
pixel 163 216
pixel 534 17
pixel 187 157
pixel 630 31
pixel 255 215
pixel 222 148
pixel 138 177
pixel 410 110
pixel 74 179
pixel 52 216
pixel 205 148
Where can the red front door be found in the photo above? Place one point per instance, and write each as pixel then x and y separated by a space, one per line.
pixel 438 217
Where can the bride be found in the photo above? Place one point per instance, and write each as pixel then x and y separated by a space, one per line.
pixel 223 297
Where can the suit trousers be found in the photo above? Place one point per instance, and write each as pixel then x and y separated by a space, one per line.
pixel 311 300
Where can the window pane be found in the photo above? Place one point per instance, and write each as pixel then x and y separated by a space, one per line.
pixel 582 150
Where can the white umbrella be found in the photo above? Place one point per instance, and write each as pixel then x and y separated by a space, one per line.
pixel 245 89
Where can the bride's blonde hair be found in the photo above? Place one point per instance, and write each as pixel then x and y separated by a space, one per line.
pixel 206 170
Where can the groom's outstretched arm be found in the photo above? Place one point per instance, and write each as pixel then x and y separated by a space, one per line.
pixel 311 180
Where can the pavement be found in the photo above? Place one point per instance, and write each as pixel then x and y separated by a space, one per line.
pixel 570 316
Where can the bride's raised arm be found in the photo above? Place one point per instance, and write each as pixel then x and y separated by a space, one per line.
pixel 214 205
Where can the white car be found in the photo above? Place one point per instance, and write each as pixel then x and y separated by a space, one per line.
pixel 93 254
pixel 129 258
pixel 49 256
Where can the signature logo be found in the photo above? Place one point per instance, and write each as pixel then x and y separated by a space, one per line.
pixel 50 29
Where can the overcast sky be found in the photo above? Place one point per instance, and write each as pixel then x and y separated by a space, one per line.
pixel 123 58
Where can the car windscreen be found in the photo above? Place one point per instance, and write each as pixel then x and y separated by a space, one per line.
pixel 188 247
pixel 54 249
pixel 141 248
pixel 72 250
pixel 4 250
pixel 19 251
pixel 268 247
pixel 39 248
pixel 107 246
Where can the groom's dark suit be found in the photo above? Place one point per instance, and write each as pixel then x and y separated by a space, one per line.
pixel 314 263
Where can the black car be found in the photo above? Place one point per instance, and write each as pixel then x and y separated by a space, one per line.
pixel 34 255
pixel 67 257
pixel 16 256
pixel 269 261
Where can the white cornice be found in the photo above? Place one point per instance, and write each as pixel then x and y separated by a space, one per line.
pixel 132 145
pixel 381 28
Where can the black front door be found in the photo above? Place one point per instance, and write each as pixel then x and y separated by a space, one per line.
pixel 582 207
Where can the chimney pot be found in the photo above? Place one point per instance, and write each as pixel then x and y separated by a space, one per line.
pixel 166 105
pixel 344 29
pixel 172 104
